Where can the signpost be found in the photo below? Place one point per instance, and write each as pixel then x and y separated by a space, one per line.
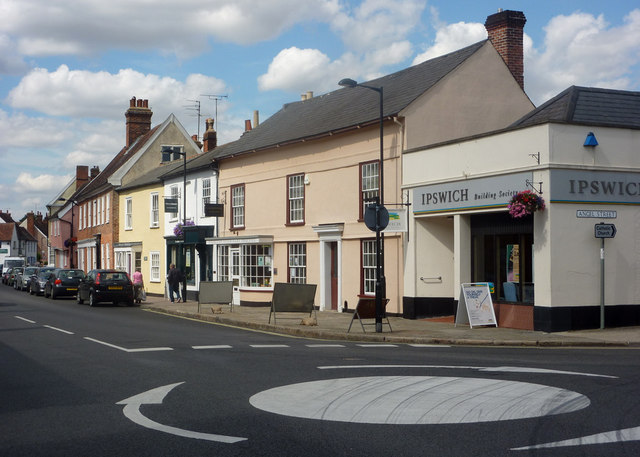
pixel 603 231
pixel 376 218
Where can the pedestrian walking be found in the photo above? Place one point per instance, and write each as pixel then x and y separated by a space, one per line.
pixel 174 278
pixel 138 285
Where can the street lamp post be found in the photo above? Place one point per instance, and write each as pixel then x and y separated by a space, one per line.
pixel 176 150
pixel 381 284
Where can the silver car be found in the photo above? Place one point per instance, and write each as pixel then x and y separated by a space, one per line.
pixel 23 279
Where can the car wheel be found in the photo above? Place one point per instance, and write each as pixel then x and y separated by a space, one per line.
pixel 92 299
pixel 78 299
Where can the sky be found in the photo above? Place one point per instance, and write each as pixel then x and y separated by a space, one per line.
pixel 68 68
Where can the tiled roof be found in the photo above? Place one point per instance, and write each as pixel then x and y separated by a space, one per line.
pixel 341 109
pixel 23 234
pixel 6 231
pixel 153 176
pixel 590 106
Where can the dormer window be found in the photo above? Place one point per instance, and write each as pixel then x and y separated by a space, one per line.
pixel 171 153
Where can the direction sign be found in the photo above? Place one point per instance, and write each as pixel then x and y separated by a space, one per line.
pixel 605 230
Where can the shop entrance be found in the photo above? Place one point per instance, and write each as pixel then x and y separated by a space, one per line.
pixel 502 254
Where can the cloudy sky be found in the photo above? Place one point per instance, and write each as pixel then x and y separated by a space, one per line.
pixel 69 67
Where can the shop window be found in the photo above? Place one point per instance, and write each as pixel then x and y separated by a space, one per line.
pixel 256 265
pixel 223 263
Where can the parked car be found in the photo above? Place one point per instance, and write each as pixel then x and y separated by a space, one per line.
pixel 105 286
pixel 5 275
pixel 39 279
pixel 63 283
pixel 12 276
pixel 24 278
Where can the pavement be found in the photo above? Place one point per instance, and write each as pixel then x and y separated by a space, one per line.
pixel 333 325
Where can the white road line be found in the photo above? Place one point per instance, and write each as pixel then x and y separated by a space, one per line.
pixel 264 346
pixel 378 345
pixel 449 367
pixel 25 319
pixel 325 345
pixel 125 349
pixel 59 330
pixel 615 436
pixel 429 345
pixel 214 346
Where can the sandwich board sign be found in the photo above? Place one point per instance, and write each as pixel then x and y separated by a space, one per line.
pixel 475 306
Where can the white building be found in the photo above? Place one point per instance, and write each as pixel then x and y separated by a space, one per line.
pixel 579 152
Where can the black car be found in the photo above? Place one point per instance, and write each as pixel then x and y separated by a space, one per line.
pixel 63 283
pixel 105 286
pixel 39 279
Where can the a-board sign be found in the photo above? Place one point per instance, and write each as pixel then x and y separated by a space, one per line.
pixel 475 306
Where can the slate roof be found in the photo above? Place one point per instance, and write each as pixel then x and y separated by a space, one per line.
pixel 154 176
pixel 589 106
pixel 341 109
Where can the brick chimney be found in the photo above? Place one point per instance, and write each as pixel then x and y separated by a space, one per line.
pixel 505 29
pixel 82 176
pixel 247 125
pixel 210 137
pixel 31 226
pixel 138 119
pixel 95 171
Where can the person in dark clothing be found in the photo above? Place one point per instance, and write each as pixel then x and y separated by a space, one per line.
pixel 173 279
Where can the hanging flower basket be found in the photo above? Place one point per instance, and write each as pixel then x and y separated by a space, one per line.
pixel 177 230
pixel 70 242
pixel 525 203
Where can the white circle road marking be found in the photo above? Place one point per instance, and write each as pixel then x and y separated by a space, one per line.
pixel 417 400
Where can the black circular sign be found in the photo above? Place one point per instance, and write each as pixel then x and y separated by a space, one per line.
pixel 374 223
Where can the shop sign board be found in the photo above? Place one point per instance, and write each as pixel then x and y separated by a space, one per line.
pixel 489 192
pixel 580 186
pixel 475 306
pixel 397 221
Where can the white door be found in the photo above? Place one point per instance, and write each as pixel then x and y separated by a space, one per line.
pixel 234 254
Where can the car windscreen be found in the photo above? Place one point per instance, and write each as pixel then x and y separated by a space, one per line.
pixel 44 274
pixel 30 271
pixel 71 274
pixel 113 276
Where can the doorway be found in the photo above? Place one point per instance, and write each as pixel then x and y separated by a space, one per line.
pixel 234 270
pixel 502 254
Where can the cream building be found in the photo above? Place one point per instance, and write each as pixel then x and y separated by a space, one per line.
pixel 579 152
pixel 295 187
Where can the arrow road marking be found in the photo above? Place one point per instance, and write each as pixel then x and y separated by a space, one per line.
pixel 155 397
pixel 615 436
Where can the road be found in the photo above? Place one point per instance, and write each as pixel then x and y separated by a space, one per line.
pixel 118 381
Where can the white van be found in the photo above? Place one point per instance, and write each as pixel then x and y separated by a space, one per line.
pixel 10 262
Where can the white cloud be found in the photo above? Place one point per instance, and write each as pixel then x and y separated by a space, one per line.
pixel 295 69
pixel 45 28
pixel 26 182
pixel 452 37
pixel 11 63
pixel 582 49
pixel 66 92
pixel 374 34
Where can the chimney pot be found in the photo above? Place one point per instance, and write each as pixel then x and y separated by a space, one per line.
pixel 247 125
pixel 138 119
pixel 210 137
pixel 505 30
pixel 95 171
pixel 256 118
